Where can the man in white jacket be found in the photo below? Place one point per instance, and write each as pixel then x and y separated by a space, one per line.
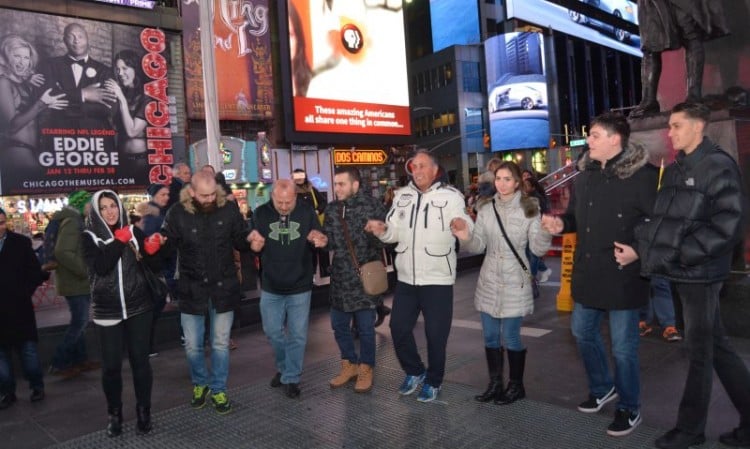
pixel 420 222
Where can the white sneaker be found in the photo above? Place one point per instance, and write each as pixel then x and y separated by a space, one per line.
pixel 543 276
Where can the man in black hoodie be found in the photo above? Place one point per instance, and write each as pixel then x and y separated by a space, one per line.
pixel 286 232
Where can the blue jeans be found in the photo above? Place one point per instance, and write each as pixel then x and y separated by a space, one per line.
pixel 342 330
pixel 623 330
pixel 288 347
pixel 709 350
pixel 32 369
pixel 194 328
pixel 510 328
pixel 72 350
pixel 660 303
pixel 435 303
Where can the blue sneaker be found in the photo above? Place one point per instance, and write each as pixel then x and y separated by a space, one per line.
pixel 410 384
pixel 428 393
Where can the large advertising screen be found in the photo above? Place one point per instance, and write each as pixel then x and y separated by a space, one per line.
pixel 517 91
pixel 347 67
pixel 242 59
pixel 569 21
pixel 83 104
pixel 454 22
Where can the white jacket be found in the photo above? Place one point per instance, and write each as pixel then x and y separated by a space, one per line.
pixel 504 290
pixel 420 224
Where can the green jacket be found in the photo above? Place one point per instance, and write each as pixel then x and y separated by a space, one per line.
pixel 71 276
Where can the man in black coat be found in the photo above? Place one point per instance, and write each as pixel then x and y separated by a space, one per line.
pixel 20 275
pixel 696 225
pixel 205 229
pixel 613 194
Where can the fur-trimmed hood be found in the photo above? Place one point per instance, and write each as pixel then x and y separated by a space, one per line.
pixel 623 165
pixel 187 201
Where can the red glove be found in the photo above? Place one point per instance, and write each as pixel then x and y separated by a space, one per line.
pixel 152 244
pixel 124 235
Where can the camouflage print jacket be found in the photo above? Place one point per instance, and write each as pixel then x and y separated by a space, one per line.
pixel 346 289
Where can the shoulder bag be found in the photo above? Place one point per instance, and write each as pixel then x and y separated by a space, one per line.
pixel 534 283
pixel 156 285
pixel 372 274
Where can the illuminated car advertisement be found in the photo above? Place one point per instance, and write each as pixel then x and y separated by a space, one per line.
pixel 572 22
pixel 347 64
pixel 454 22
pixel 517 91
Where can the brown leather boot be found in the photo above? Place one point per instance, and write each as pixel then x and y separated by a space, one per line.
pixel 348 373
pixel 364 379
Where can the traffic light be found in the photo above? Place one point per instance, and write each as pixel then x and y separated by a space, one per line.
pixel 486 141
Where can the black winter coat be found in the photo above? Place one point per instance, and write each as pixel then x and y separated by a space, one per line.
pixel 118 287
pixel 205 244
pixel 346 293
pixel 20 275
pixel 697 218
pixel 606 206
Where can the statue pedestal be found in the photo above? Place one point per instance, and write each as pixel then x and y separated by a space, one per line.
pixel 731 130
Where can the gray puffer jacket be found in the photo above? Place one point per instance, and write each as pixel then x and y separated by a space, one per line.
pixel 504 289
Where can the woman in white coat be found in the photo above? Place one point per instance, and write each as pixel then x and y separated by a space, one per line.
pixel 504 293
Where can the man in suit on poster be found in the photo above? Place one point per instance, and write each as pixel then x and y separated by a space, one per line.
pixel 82 79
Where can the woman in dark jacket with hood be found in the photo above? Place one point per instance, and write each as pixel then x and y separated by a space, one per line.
pixel 122 303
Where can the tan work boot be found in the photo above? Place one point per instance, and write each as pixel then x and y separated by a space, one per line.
pixel 348 372
pixel 364 379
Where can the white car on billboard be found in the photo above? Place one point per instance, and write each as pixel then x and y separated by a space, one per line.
pixel 623 9
pixel 526 96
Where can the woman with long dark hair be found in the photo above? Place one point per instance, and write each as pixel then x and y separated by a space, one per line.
pixel 123 306
pixel 131 101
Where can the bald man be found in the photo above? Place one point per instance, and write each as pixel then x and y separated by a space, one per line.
pixel 205 228
pixel 286 233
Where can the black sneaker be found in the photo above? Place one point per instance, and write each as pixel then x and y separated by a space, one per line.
pixel 6 400
pixel 593 404
pixel 276 381
pixel 292 391
pixel 37 395
pixel 221 403
pixel 624 423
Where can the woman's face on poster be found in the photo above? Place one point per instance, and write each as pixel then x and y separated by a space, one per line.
pixel 20 60
pixel 125 73
pixel 292 40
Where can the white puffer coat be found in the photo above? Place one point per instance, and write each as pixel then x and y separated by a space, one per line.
pixel 504 289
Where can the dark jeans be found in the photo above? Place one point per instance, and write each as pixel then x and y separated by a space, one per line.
pixel 134 333
pixel 435 302
pixel 341 323
pixel 32 369
pixel 72 350
pixel 708 350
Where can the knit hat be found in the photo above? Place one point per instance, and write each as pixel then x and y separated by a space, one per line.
pixel 78 200
pixel 153 189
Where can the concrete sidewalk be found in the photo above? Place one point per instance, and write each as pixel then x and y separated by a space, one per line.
pixel 74 413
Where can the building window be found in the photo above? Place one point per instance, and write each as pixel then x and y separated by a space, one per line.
pixel 471 76
pixel 448 70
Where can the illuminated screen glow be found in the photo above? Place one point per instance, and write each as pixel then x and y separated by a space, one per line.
pixel 348 67
pixel 454 22
pixel 546 14
pixel 517 91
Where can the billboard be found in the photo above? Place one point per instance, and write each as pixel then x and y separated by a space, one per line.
pixel 548 14
pixel 346 68
pixel 517 91
pixel 83 104
pixel 243 64
pixel 454 22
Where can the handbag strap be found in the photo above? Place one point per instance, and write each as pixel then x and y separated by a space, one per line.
pixel 507 240
pixel 348 238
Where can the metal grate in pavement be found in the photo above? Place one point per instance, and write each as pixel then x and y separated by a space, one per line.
pixel 263 417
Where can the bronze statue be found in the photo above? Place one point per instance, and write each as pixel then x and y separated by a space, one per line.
pixel 669 25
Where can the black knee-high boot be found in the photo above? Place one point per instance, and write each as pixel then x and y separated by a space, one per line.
pixel 143 425
pixel 495 367
pixel 114 424
pixel 515 390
